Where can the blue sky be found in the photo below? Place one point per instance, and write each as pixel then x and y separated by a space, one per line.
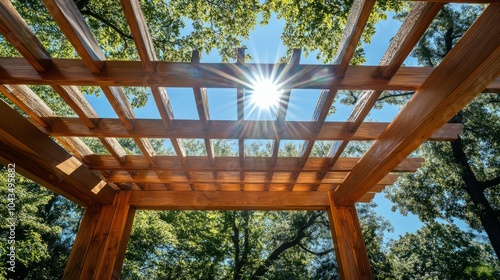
pixel 264 45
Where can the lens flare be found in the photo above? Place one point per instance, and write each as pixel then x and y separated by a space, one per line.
pixel 265 93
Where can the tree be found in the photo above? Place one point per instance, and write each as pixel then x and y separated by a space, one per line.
pixel 460 179
pixel 43 228
pixel 441 251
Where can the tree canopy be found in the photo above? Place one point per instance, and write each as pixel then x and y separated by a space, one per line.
pixel 460 179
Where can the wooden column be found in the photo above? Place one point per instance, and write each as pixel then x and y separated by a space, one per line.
pixel 101 242
pixel 350 249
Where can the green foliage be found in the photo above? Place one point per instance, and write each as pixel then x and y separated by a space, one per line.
pixel 222 244
pixel 178 27
pixel 44 229
pixel 441 251
pixel 445 31
pixel 437 190
pixel 314 25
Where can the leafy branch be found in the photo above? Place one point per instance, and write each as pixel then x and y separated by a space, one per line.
pixel 303 247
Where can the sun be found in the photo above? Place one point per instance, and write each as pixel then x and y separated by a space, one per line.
pixel 265 93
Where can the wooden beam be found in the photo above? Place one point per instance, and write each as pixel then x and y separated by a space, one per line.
pixel 102 236
pixel 34 107
pixel 29 102
pixel 210 75
pixel 201 98
pixel 412 29
pixel 75 146
pixel 18 33
pixel 139 29
pixel 350 249
pixel 22 136
pixel 147 53
pixel 39 172
pixel 120 104
pixel 464 72
pixel 83 240
pixel 75 99
pixel 240 103
pixel 252 164
pixel 282 110
pixel 240 94
pixel 414 26
pixel 358 17
pixel 74 26
pixel 233 177
pixel 285 95
pixel 225 200
pixel 164 107
pixel 192 129
pixel 117 239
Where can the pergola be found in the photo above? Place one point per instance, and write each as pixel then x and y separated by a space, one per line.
pixel 113 186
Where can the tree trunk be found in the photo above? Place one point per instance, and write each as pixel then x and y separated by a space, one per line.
pixel 236 242
pixel 488 216
pixel 301 234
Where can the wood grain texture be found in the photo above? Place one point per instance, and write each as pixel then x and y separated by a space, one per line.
pixel 350 249
pixel 82 243
pixel 210 75
pixel 461 76
pixel 74 26
pixel 139 29
pixel 294 130
pixel 121 105
pixel 207 75
pixel 38 171
pixel 97 242
pixel 252 164
pixel 233 177
pixel 34 107
pixel 17 32
pixel 22 136
pixel 413 27
pixel 358 17
pixel 225 200
pixel 117 238
pixel 415 24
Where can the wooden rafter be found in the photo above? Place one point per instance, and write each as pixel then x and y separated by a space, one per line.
pixel 240 103
pixel 139 29
pixel 36 147
pixel 16 31
pixel 464 72
pixel 414 26
pixel 282 109
pixel 209 182
pixel 229 177
pixel 34 107
pixel 252 164
pixel 27 43
pixel 85 44
pixel 210 75
pixel 73 25
pixel 229 200
pixel 219 129
pixel 358 17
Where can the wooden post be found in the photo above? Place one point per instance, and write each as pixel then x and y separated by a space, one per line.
pixel 350 248
pixel 101 242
